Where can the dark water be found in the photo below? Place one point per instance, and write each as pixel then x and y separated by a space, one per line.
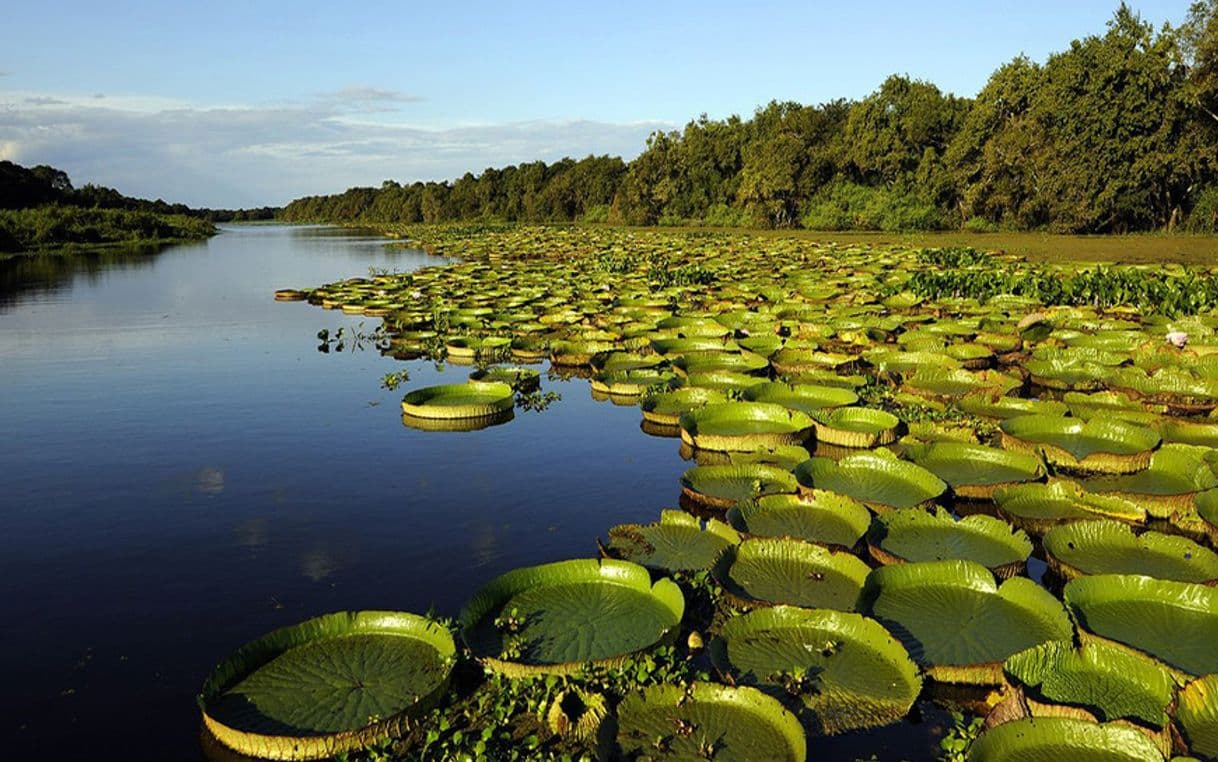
pixel 181 471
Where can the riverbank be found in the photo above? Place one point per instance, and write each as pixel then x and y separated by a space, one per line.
pixel 68 229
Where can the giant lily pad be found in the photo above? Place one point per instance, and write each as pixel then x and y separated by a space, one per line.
pixel 957 622
pixel 1110 682
pixel 1085 447
pixel 721 487
pixel 805 397
pixel 676 543
pixel 520 379
pixel 856 427
pixel 998 407
pixel 556 617
pixel 1197 712
pixel 781 570
pixel 1110 547
pixel 713 361
pixel 330 685
pixel 450 401
pixel 630 383
pixel 948 384
pixel 817 516
pixel 1175 622
pixel 1038 507
pixel 666 408
pixel 1176 474
pixel 708 721
pixel 913 534
pixel 786 457
pixel 1207 509
pixel 846 669
pixel 878 479
pixel 1041 739
pixel 976 471
pixel 744 426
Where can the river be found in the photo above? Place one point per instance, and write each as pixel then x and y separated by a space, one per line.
pixel 182 471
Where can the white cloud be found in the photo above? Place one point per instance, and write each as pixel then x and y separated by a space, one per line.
pixel 243 156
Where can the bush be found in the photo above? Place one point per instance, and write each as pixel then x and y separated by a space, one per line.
pixel 980 225
pixel 1204 216
pixel 850 206
pixel 597 213
pixel 51 226
pixel 724 216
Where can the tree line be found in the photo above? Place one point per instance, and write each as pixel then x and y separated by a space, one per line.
pixel 1118 133
pixel 43 185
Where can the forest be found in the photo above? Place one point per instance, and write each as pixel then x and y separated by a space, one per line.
pixel 40 209
pixel 1117 134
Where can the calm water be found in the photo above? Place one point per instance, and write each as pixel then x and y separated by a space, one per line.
pixel 182 471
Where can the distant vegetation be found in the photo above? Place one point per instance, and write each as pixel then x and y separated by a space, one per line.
pixel 1118 133
pixel 40 209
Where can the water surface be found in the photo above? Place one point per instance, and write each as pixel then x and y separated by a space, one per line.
pixel 183 471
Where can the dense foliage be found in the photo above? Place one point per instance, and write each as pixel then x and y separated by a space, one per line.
pixel 1115 134
pixel 39 208
pixel 50 226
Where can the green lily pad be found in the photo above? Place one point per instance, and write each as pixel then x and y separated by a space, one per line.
pixel 666 408
pixel 957 622
pixel 556 617
pixel 846 669
pixel 974 470
pixel 721 487
pixel 877 479
pixel 1036 508
pixel 723 381
pixel 449 401
pixel 677 542
pixel 856 427
pixel 817 516
pixel 1197 712
pixel 630 383
pixel 786 457
pixel 1040 739
pixel 744 426
pixel 1110 547
pixel 708 721
pixel 1175 622
pixel 1110 682
pixel 331 684
pixel 997 407
pixel 947 383
pixel 1177 472
pixel 770 570
pixel 913 534
pixel 520 379
pixel 805 397
pixel 714 361
pixel 1095 446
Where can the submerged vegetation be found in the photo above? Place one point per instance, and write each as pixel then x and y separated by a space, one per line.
pixel 879 475
pixel 1115 134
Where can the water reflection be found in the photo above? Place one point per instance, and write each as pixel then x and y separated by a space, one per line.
pixel 44 275
pixel 209 481
pixel 252 533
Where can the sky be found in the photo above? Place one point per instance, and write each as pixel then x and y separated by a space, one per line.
pixel 228 104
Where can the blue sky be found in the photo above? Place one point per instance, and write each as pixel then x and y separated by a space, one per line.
pixel 229 104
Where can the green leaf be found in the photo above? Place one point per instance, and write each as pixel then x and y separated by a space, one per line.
pixel 847 670
pixel 708 721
